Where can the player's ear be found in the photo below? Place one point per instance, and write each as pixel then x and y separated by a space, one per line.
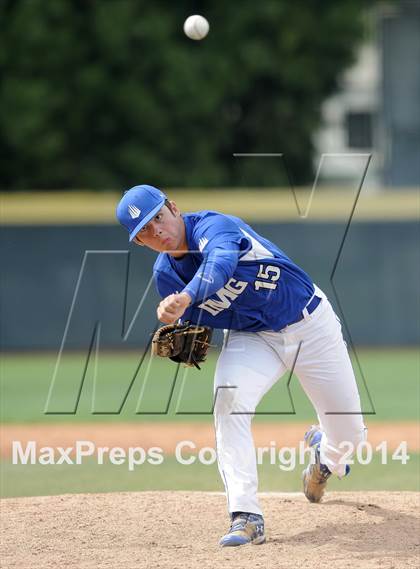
pixel 137 241
pixel 173 208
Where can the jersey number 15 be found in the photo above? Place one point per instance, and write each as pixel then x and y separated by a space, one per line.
pixel 270 274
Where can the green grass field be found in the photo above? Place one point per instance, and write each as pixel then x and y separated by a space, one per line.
pixel 391 376
pixel 34 480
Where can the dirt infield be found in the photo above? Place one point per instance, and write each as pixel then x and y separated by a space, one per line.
pixel 181 530
pixel 168 435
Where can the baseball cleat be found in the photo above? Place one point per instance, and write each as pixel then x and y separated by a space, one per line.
pixel 245 528
pixel 315 475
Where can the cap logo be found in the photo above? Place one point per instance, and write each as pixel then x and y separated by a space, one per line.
pixel 134 211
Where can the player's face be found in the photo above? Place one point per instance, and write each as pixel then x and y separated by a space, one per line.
pixel 165 232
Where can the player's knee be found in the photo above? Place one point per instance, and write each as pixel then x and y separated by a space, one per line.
pixel 224 400
pixel 231 400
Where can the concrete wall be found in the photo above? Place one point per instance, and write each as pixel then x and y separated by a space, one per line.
pixel 377 280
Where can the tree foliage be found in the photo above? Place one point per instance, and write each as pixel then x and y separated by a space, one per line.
pixel 109 93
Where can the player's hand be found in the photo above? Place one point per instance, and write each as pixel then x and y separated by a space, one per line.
pixel 173 307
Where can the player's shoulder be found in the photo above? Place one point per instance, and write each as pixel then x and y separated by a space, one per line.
pixel 195 217
pixel 209 219
pixel 207 226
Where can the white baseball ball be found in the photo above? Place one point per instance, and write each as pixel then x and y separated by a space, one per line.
pixel 196 27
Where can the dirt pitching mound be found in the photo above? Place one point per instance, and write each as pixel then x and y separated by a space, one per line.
pixel 181 530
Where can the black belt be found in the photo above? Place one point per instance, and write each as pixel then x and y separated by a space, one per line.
pixel 309 307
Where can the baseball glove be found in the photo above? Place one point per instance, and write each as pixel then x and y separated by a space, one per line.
pixel 182 343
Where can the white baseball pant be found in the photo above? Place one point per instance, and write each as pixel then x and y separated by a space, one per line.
pixel 249 365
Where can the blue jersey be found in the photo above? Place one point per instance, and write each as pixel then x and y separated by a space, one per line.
pixel 263 290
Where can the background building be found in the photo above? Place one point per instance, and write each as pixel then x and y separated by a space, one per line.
pixel 377 108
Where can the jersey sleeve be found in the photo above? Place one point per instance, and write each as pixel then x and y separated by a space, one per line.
pixel 163 285
pixel 214 272
pixel 166 280
pixel 218 230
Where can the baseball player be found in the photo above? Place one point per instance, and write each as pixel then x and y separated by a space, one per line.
pixel 215 270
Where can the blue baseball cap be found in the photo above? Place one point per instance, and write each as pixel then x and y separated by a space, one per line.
pixel 138 206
